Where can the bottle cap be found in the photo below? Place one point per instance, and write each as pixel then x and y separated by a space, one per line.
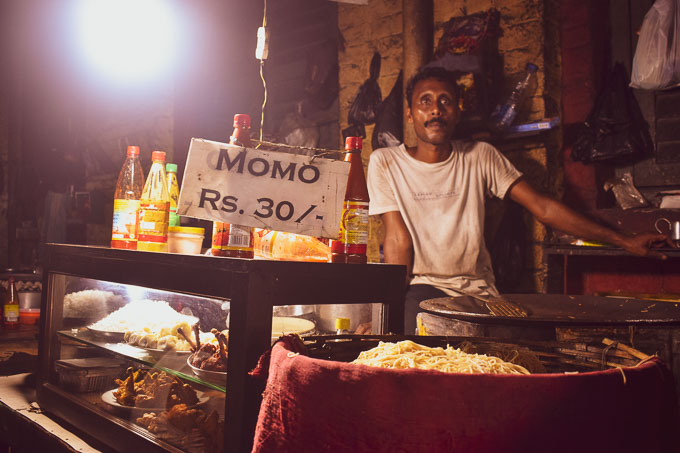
pixel 242 120
pixel 353 143
pixel 531 67
pixel 133 150
pixel 341 323
pixel 186 230
pixel 171 167
pixel 158 155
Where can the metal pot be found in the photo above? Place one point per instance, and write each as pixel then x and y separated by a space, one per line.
pixel 357 314
pixel 29 299
pixel 294 310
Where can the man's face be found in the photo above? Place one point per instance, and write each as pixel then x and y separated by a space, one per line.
pixel 434 111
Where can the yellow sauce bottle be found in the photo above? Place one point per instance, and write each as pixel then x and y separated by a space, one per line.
pixel 154 208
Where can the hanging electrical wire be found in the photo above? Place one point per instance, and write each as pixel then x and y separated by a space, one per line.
pixel 261 53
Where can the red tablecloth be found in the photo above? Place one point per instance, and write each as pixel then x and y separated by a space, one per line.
pixel 313 405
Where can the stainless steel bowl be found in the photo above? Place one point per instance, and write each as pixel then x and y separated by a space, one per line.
pixel 293 310
pixel 29 299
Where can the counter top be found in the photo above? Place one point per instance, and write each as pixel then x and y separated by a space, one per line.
pixel 26 428
pixel 567 249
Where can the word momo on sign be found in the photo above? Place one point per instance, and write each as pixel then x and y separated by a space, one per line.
pixel 259 166
pixel 266 189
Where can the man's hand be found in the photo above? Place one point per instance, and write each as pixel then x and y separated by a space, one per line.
pixel 641 244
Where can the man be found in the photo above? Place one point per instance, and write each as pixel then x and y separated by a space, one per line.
pixel 431 198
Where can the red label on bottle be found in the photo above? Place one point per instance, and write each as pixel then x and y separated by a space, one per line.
pixel 232 237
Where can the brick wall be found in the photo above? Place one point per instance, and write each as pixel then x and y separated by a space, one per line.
pixel 529 33
pixel 580 71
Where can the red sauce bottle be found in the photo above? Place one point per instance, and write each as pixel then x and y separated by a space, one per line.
pixel 350 247
pixel 231 240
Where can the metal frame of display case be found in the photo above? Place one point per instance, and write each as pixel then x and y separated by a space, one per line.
pixel 253 287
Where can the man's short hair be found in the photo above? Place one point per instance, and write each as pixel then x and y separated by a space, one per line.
pixel 432 72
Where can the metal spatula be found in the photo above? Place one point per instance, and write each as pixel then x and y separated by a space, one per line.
pixel 499 306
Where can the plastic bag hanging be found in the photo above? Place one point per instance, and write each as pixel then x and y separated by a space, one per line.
pixel 389 129
pixel 366 103
pixel 656 64
pixel 615 130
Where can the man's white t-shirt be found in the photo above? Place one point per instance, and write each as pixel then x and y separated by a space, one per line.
pixel 443 207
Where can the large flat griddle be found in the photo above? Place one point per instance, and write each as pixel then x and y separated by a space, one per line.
pixel 561 310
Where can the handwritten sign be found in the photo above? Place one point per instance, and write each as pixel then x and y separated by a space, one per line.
pixel 264 189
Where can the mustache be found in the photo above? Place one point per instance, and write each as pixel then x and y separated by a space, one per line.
pixel 435 120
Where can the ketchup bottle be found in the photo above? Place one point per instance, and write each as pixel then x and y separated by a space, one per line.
pixel 228 239
pixel 350 247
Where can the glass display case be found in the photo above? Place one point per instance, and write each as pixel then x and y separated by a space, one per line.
pixel 118 350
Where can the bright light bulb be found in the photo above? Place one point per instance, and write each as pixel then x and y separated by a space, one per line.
pixel 129 40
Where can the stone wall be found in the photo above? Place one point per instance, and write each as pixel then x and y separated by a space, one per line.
pixel 529 34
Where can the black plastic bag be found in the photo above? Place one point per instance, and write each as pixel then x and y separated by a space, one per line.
pixel 389 127
pixel 367 101
pixel 354 130
pixel 615 130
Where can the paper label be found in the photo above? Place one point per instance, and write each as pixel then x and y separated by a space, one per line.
pixel 354 227
pixel 125 220
pixel 231 237
pixel 11 313
pixel 153 221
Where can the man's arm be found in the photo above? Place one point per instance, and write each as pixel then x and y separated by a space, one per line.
pixel 398 245
pixel 565 219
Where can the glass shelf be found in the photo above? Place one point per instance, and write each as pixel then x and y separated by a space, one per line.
pixel 171 362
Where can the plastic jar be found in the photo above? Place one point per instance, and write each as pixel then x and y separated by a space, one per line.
pixel 29 316
pixel 187 240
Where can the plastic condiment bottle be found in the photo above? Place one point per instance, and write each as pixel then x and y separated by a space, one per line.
pixel 126 201
pixel 154 208
pixel 278 245
pixel 173 191
pixel 505 113
pixel 352 242
pixel 228 239
pixel 342 326
pixel 10 309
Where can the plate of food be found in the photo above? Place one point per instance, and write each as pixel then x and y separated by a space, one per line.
pixel 108 335
pixel 145 318
pixel 150 391
pixel 180 339
pixel 214 377
pixel 209 362
pixel 110 400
